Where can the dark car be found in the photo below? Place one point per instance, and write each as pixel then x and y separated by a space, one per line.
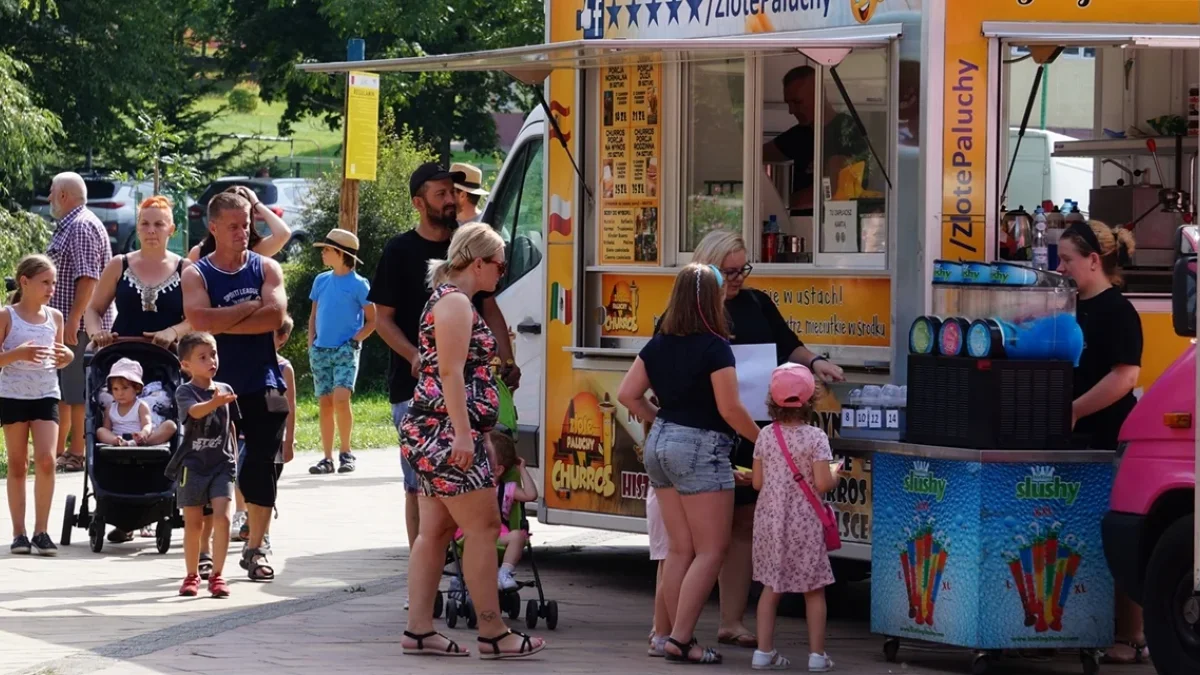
pixel 286 197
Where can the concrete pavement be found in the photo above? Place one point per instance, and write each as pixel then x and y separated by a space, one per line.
pixel 338 603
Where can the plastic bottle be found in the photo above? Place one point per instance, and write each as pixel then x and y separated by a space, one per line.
pixel 1041 250
pixel 774 224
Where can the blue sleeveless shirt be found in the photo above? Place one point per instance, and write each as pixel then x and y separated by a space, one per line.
pixel 248 363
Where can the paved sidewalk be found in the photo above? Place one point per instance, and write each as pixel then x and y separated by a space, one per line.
pixel 338 603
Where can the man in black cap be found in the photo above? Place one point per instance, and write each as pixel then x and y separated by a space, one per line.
pixel 400 293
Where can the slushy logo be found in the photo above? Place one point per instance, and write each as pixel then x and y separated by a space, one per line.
pixel 921 481
pixel 1043 484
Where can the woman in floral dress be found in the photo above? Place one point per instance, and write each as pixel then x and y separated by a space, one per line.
pixel 444 438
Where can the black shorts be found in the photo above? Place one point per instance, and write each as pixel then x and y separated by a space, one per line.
pixel 263 421
pixel 18 410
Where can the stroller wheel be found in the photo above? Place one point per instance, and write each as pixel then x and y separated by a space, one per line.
pixel 96 536
pixel 513 601
pixel 472 620
pixel 451 613
pixel 438 601
pixel 68 522
pixel 162 536
pixel 552 614
pixel 531 614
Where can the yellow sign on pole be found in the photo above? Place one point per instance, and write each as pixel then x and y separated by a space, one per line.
pixel 362 126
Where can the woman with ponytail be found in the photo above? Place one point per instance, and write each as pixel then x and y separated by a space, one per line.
pixel 1093 254
pixel 443 437
pixel 690 366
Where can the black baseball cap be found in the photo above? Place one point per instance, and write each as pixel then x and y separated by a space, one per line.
pixel 431 171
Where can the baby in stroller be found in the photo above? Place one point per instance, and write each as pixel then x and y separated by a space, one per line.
pixel 130 419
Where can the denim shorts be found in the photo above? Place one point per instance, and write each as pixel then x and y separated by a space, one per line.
pixel 693 461
pixel 411 484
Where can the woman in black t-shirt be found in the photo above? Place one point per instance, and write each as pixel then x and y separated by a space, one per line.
pixel 690 367
pixel 1092 254
pixel 754 319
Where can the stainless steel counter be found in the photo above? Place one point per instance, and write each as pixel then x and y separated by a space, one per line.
pixel 858 447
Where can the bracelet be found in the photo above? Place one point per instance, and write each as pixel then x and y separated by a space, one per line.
pixel 815 359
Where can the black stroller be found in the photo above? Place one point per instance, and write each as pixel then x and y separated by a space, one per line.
pixel 127 482
pixel 456 603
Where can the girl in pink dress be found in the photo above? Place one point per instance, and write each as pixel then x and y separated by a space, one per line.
pixel 789 546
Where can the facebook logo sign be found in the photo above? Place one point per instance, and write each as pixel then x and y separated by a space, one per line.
pixel 590 19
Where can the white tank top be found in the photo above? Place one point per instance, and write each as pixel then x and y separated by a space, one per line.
pixel 128 423
pixel 23 379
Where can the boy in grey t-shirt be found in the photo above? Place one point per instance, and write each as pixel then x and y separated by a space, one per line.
pixel 205 460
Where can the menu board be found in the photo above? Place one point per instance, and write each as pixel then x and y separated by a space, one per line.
pixel 630 147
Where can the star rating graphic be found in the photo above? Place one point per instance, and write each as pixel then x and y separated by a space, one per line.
pixel 694 6
pixel 652 8
pixel 673 9
pixel 633 8
pixel 614 15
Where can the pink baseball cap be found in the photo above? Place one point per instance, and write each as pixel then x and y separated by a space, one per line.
pixel 792 385
pixel 127 369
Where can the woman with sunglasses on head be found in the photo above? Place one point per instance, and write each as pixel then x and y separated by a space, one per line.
pixel 754 319
pixel 444 438
pixel 689 365
pixel 1092 254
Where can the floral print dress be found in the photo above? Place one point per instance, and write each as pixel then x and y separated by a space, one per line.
pixel 426 432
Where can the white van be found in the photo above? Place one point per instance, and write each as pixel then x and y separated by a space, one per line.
pixel 1037 175
pixel 516 209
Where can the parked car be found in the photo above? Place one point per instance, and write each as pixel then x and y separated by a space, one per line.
pixel 287 197
pixel 114 203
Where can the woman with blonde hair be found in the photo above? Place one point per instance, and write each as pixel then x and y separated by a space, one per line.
pixel 754 319
pixel 444 438
pixel 690 366
pixel 1093 254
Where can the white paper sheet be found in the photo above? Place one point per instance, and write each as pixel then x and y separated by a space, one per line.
pixel 754 366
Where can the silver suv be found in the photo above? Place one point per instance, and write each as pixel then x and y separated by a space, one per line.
pixel 114 203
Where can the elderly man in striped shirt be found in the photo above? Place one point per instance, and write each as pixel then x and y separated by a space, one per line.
pixel 80 250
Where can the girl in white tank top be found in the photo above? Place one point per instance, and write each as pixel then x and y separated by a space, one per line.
pixel 28 380
pixel 31 352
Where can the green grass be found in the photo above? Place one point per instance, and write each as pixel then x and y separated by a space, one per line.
pixel 372 425
pixel 317 148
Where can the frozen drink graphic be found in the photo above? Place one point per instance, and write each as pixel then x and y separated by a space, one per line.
pixel 1043 570
pixel 923 560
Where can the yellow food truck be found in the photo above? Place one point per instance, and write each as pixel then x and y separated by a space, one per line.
pixel 656 126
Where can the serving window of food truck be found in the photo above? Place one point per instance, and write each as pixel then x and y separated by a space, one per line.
pixel 1101 119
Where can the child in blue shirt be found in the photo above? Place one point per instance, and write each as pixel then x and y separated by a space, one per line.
pixel 340 320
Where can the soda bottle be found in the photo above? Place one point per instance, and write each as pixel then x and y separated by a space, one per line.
pixel 1041 250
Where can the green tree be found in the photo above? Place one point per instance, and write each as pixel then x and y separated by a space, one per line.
pixel 384 210
pixel 271 38
pixel 28 132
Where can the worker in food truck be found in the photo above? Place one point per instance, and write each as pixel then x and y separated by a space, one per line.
pixel 841 138
pixel 1092 253
pixel 754 319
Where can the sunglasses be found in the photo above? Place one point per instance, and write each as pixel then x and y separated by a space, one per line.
pixel 501 266
pixel 741 273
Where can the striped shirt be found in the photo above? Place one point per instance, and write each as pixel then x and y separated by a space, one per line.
pixel 79 249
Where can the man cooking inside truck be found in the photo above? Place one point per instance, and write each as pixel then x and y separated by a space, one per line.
pixel 841 140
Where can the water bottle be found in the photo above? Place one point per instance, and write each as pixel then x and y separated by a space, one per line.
pixel 774 224
pixel 1041 251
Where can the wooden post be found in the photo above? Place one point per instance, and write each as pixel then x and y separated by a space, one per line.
pixel 348 209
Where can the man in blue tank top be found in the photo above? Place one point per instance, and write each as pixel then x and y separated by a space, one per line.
pixel 238 296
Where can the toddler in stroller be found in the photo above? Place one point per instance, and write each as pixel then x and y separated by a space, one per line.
pixel 130 489
pixel 514 488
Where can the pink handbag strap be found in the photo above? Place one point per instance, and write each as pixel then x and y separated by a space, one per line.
pixel 799 477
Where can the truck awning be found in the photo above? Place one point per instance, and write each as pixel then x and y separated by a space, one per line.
pixel 1163 36
pixel 533 63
